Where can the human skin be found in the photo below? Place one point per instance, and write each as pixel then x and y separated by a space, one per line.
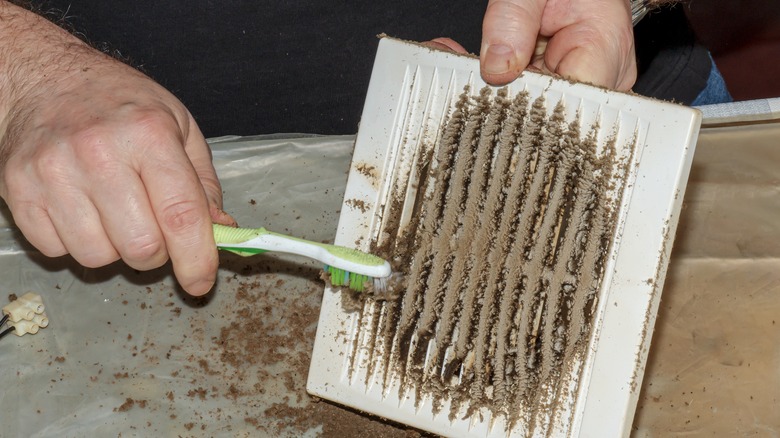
pixel 99 161
pixel 586 40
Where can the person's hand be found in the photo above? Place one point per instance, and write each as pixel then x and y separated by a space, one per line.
pixel 585 40
pixel 99 161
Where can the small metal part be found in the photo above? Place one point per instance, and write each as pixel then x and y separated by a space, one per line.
pixel 6 331
pixel 639 8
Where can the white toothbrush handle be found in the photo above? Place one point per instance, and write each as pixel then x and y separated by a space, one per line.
pixel 279 243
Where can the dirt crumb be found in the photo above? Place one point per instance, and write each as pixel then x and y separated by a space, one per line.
pixel 335 422
pixel 126 406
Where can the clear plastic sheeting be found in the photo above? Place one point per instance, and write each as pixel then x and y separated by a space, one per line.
pixel 128 354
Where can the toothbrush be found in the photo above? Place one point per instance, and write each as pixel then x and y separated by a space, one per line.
pixel 346 267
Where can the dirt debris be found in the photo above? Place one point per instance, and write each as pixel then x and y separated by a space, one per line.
pixel 267 341
pixel 503 255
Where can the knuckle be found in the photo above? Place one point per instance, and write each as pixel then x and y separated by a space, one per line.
pixel 93 148
pixel 507 8
pixel 47 166
pixel 57 164
pixel 506 15
pixel 15 183
pixel 144 249
pixel 153 122
pixel 49 248
pixel 96 258
pixel 181 215
pixel 100 145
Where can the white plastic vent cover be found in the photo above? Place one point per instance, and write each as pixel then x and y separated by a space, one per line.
pixel 532 225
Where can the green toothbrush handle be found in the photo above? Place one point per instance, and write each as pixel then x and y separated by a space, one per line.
pixel 224 236
pixel 249 241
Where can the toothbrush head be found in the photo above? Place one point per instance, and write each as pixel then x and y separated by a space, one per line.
pixel 357 270
pixel 379 287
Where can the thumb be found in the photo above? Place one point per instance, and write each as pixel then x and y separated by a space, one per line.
pixel 582 64
pixel 509 33
pixel 599 51
pixel 446 44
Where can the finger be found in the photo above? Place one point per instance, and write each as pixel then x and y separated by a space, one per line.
pixel 27 205
pixel 128 218
pixel 221 217
pixel 78 226
pixel 509 33
pixel 35 224
pixel 118 195
pixel 180 204
pixel 446 44
pixel 61 219
pixel 598 54
pixel 580 65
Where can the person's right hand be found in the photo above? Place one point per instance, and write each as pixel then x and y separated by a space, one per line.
pixel 99 161
pixel 585 40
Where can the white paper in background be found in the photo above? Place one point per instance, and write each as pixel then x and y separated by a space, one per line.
pixel 741 111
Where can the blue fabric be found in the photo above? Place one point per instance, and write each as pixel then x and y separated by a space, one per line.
pixel 715 91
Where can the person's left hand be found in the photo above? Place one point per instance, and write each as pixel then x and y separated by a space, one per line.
pixel 585 40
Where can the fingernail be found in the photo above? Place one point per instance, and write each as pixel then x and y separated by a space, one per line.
pixel 498 59
pixel 222 217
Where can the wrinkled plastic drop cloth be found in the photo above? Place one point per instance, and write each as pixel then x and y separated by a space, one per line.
pixel 128 354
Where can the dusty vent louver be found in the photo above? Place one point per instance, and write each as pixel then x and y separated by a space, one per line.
pixel 532 226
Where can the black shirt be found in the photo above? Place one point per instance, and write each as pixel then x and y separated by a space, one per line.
pixel 257 67
pixel 253 67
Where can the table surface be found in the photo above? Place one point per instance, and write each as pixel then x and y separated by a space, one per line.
pixel 129 354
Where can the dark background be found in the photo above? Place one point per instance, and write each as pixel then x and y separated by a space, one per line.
pixel 253 67
pixel 744 37
pixel 250 67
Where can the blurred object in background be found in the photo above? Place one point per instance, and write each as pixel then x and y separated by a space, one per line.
pixel 744 39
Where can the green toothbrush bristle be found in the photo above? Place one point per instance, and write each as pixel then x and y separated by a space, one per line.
pixel 357 282
pixel 337 276
pixel 340 277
